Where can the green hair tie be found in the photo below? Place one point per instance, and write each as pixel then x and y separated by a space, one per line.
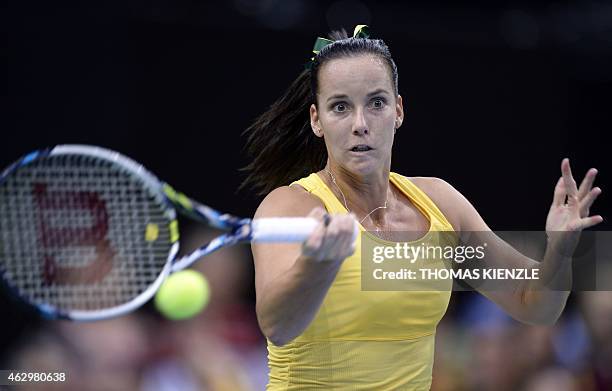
pixel 361 31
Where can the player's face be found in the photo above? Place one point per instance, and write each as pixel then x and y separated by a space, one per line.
pixel 356 113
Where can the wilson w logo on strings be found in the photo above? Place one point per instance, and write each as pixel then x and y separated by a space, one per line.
pixel 69 220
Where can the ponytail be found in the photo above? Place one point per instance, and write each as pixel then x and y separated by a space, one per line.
pixel 281 143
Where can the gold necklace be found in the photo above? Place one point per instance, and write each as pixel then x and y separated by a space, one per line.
pixel 346 205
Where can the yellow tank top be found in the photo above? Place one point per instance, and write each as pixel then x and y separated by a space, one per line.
pixel 366 340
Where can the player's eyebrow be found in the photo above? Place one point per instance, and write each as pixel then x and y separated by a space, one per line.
pixel 344 96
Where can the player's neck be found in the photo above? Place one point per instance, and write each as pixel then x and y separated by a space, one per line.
pixel 362 193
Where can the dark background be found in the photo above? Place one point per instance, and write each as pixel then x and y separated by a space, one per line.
pixel 495 95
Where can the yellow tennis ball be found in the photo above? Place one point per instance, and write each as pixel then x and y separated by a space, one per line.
pixel 182 295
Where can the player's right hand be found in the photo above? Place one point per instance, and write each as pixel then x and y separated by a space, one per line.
pixel 333 240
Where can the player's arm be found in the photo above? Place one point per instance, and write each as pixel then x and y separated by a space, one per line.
pixel 532 306
pixel 291 280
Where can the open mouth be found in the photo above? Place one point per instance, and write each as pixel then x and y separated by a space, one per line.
pixel 361 148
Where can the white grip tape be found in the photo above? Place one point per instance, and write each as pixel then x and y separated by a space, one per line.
pixel 283 229
pixel 286 229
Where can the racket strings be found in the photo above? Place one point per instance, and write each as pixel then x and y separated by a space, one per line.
pixel 72 233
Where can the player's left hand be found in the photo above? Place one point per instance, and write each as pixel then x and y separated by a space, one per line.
pixel 567 218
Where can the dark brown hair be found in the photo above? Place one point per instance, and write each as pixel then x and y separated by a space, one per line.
pixel 280 143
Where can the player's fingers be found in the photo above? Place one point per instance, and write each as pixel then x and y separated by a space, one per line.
pixel 312 245
pixel 320 214
pixel 351 227
pixel 587 222
pixel 333 239
pixel 332 232
pixel 344 232
pixel 559 194
pixel 315 240
pixel 317 213
pixel 568 180
pixel 349 242
pixel 587 183
pixel 587 201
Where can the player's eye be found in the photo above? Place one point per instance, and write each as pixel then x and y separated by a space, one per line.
pixel 339 107
pixel 378 103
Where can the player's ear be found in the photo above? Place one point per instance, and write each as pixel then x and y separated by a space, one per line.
pixel 399 111
pixel 315 123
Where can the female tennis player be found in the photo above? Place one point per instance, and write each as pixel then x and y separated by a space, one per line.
pixel 331 137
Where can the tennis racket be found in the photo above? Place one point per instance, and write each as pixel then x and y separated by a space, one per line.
pixel 89 234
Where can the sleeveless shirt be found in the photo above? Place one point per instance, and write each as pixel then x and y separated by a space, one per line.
pixel 366 340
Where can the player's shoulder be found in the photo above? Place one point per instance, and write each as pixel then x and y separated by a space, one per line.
pixel 287 201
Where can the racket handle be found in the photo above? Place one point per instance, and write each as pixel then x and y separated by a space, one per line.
pixel 282 229
pixel 286 229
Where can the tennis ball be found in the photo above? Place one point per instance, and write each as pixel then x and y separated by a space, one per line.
pixel 182 295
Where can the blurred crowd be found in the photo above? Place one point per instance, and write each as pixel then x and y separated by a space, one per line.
pixel 478 347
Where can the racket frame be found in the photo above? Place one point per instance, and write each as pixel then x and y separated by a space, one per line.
pixel 153 185
pixel 240 229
